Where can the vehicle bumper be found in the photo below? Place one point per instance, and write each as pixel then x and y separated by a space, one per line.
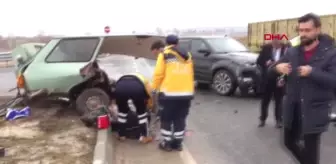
pixel 249 78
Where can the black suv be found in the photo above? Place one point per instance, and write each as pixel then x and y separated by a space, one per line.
pixel 224 63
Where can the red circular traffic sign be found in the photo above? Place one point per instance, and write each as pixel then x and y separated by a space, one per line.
pixel 107 29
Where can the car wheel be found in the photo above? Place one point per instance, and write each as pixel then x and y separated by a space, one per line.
pixel 91 99
pixel 224 83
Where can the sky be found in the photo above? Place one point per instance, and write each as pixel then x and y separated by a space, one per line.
pixel 78 17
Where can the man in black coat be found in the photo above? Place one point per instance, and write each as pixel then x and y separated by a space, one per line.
pixel 269 54
pixel 311 70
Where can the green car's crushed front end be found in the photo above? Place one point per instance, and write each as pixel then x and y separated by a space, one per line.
pixel 68 68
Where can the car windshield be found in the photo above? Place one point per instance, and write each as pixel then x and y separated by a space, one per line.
pixel 226 44
pixel 38 48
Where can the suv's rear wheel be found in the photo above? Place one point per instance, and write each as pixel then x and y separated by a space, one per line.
pixel 224 83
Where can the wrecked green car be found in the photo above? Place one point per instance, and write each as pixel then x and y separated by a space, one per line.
pixel 67 68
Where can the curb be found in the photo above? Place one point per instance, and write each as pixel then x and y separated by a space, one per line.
pixel 104 149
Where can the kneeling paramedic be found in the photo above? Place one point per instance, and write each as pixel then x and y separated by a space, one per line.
pixel 136 88
pixel 173 79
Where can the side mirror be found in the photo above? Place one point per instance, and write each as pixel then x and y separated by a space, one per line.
pixel 206 52
pixel 19 59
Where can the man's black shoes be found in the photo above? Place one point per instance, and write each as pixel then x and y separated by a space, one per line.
pixel 165 146
pixel 261 124
pixel 278 125
pixel 176 145
pixel 170 146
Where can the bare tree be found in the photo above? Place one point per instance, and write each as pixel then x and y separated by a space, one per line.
pixel 159 31
pixel 11 41
pixel 41 33
pixel 176 31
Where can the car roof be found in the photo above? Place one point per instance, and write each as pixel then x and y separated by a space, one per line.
pixel 107 36
pixel 203 37
pixel 32 43
pixel 137 45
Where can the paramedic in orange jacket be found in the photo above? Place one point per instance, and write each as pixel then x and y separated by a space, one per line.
pixel 134 87
pixel 173 79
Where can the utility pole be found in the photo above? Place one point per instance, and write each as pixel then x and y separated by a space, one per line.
pixel 11 41
pixel 159 31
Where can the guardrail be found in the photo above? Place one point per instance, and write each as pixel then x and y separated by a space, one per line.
pixel 6 60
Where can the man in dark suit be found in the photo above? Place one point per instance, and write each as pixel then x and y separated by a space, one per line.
pixel 270 53
pixel 310 67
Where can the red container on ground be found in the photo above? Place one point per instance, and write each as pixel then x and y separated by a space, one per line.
pixel 103 122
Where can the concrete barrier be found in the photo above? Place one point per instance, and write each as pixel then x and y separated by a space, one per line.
pixel 104 149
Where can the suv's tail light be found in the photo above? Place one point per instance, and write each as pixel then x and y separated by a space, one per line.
pixel 20 83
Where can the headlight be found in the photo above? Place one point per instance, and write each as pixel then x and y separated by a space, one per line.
pixel 250 64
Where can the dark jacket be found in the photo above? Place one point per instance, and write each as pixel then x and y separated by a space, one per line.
pixel 314 93
pixel 266 54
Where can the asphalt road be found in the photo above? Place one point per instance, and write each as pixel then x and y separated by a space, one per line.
pixel 7 80
pixel 223 130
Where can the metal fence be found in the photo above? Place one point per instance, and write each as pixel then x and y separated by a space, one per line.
pixel 6 59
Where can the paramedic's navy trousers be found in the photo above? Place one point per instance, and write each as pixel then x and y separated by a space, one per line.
pixel 173 119
pixel 131 89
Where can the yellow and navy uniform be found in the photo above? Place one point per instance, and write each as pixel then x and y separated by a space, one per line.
pixel 174 74
pixel 135 88
pixel 295 41
pixel 146 85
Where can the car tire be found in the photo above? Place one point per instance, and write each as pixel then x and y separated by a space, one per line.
pixel 224 83
pixel 83 106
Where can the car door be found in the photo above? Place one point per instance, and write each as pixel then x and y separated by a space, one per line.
pixel 202 63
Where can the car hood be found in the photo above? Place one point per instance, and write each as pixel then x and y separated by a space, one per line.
pixel 243 57
pixel 117 65
pixel 26 51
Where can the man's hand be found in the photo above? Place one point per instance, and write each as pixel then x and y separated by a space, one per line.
pixel 269 62
pixel 304 71
pixel 283 68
